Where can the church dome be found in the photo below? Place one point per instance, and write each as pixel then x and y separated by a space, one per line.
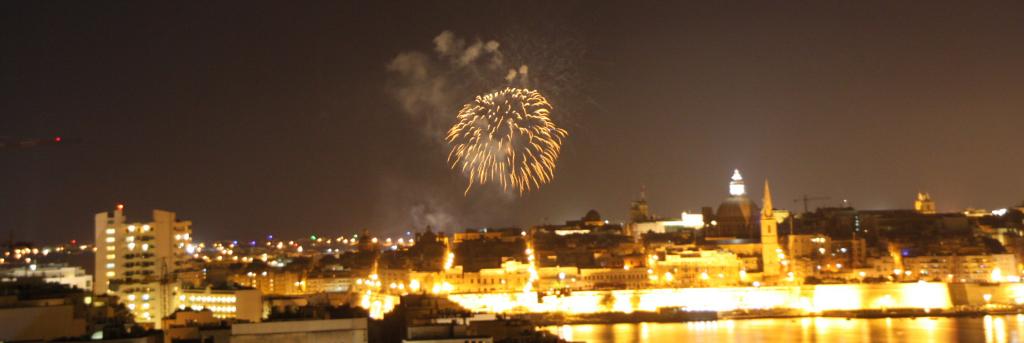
pixel 737 211
pixel 592 216
pixel 737 216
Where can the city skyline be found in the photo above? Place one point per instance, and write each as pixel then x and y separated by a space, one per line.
pixel 734 189
pixel 247 130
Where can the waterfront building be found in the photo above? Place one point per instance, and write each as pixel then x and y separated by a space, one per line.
pixel 962 268
pixel 511 277
pixel 747 250
pixel 695 268
pixel 558 277
pixel 613 278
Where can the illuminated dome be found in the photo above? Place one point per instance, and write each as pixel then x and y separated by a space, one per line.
pixel 737 215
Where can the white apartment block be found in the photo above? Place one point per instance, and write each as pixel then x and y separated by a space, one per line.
pixel 137 261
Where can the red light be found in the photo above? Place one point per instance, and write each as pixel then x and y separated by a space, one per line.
pixel 57 139
pixel 120 207
pixel 74 242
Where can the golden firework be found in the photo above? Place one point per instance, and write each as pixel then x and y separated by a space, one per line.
pixel 506 137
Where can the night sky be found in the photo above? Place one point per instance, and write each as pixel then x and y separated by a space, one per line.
pixel 283 118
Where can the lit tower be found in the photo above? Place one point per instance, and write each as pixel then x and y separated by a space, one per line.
pixel 769 237
pixel 924 203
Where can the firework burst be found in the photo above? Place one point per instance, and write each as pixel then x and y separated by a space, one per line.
pixel 506 137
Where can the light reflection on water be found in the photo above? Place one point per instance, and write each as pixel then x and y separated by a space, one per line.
pixel 988 329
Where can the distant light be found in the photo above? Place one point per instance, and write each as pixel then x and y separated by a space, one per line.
pixel 1000 212
pixel 120 207
pixel 56 139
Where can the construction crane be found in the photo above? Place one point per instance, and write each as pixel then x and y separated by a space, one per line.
pixel 807 199
pixel 14 144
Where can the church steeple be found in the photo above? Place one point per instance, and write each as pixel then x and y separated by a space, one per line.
pixel 771 253
pixel 639 211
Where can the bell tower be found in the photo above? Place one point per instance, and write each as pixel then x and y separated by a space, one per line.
pixel 769 237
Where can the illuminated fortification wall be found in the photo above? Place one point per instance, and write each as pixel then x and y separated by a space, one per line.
pixel 810 298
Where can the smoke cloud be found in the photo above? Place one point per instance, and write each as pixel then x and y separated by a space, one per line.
pixel 431 87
